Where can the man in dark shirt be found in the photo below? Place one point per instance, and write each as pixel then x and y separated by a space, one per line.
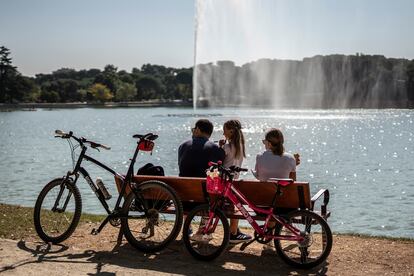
pixel 194 154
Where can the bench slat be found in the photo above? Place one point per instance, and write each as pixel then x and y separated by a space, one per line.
pixel 190 189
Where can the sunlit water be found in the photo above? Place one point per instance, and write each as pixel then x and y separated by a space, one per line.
pixel 364 157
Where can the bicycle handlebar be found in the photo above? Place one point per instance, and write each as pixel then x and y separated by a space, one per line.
pixel 60 134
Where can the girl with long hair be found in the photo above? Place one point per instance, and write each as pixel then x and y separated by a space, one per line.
pixel 234 148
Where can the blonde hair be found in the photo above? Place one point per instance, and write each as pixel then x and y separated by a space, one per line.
pixel 275 137
pixel 237 140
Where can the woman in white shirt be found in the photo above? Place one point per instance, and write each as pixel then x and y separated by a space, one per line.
pixel 275 162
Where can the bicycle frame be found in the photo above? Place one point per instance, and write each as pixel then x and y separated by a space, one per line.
pixel 79 169
pixel 238 199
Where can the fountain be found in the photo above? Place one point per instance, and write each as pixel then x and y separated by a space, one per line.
pixel 263 53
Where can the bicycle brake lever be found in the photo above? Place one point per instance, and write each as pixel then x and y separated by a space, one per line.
pixel 96 149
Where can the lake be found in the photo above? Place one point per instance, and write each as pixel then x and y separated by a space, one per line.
pixel 364 157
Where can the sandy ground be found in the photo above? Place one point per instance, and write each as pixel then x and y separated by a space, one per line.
pixel 84 254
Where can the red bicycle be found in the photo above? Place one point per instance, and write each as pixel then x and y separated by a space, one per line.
pixel 302 238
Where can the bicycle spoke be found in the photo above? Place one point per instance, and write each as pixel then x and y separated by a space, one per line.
pixel 291 247
pixel 57 211
pixel 151 229
pixel 314 244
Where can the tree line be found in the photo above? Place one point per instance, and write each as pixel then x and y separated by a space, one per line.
pixel 321 81
pixel 94 85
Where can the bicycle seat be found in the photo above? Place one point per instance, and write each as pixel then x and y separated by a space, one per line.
pixel 281 181
pixel 148 136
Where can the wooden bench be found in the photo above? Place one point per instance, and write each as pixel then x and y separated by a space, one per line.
pixel 294 196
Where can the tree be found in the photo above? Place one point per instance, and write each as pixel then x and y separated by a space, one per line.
pixel 148 88
pixel 7 74
pixel 124 76
pixel 126 92
pixel 109 78
pixel 100 92
pixel 25 89
pixel 49 96
pixel 185 84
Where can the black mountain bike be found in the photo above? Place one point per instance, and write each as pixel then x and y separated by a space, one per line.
pixel 142 215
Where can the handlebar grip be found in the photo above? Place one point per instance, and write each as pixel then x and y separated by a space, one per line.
pixel 60 134
pixel 244 170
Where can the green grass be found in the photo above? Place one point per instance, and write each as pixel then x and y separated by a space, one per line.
pixel 16 222
pixel 366 236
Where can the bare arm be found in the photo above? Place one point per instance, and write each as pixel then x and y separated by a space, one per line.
pixel 292 175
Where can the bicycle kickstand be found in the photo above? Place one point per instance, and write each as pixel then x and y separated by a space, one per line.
pixel 97 231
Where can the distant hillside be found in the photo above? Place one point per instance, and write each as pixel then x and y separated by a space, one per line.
pixel 334 81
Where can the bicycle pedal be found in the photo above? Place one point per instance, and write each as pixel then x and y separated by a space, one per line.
pixel 245 244
pixel 94 232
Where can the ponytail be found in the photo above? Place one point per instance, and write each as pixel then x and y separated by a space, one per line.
pixel 238 138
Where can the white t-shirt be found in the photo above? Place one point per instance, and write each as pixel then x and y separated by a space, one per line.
pixel 230 159
pixel 270 165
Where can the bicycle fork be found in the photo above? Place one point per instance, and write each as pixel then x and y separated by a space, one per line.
pixel 67 180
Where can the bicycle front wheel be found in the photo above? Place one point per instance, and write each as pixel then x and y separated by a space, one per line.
pixel 152 216
pixel 316 245
pixel 206 245
pixel 57 211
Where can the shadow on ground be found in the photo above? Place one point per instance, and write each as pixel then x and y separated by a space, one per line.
pixel 174 259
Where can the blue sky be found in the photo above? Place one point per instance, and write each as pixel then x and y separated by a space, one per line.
pixel 45 35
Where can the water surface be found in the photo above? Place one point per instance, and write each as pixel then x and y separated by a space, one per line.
pixel 364 157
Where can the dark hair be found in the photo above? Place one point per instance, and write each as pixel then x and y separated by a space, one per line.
pixel 238 138
pixel 275 137
pixel 204 126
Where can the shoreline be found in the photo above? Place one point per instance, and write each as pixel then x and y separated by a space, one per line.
pixel 34 106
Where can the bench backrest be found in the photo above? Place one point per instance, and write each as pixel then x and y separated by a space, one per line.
pixel 190 189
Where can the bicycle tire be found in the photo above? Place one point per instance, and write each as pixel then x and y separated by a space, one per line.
pixel 195 247
pixel 44 218
pixel 302 255
pixel 151 218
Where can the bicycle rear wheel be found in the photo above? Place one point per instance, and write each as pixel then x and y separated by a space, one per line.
pixel 205 246
pixel 57 211
pixel 315 247
pixel 153 216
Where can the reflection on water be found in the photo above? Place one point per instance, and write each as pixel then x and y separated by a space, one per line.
pixel 364 157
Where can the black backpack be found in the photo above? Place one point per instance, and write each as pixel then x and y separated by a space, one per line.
pixel 150 169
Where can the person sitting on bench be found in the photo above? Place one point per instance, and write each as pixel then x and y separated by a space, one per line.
pixel 194 154
pixel 234 147
pixel 275 162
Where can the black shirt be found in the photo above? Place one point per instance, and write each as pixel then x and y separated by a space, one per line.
pixel 194 155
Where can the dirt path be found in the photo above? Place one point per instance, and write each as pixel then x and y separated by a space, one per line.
pixel 84 254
